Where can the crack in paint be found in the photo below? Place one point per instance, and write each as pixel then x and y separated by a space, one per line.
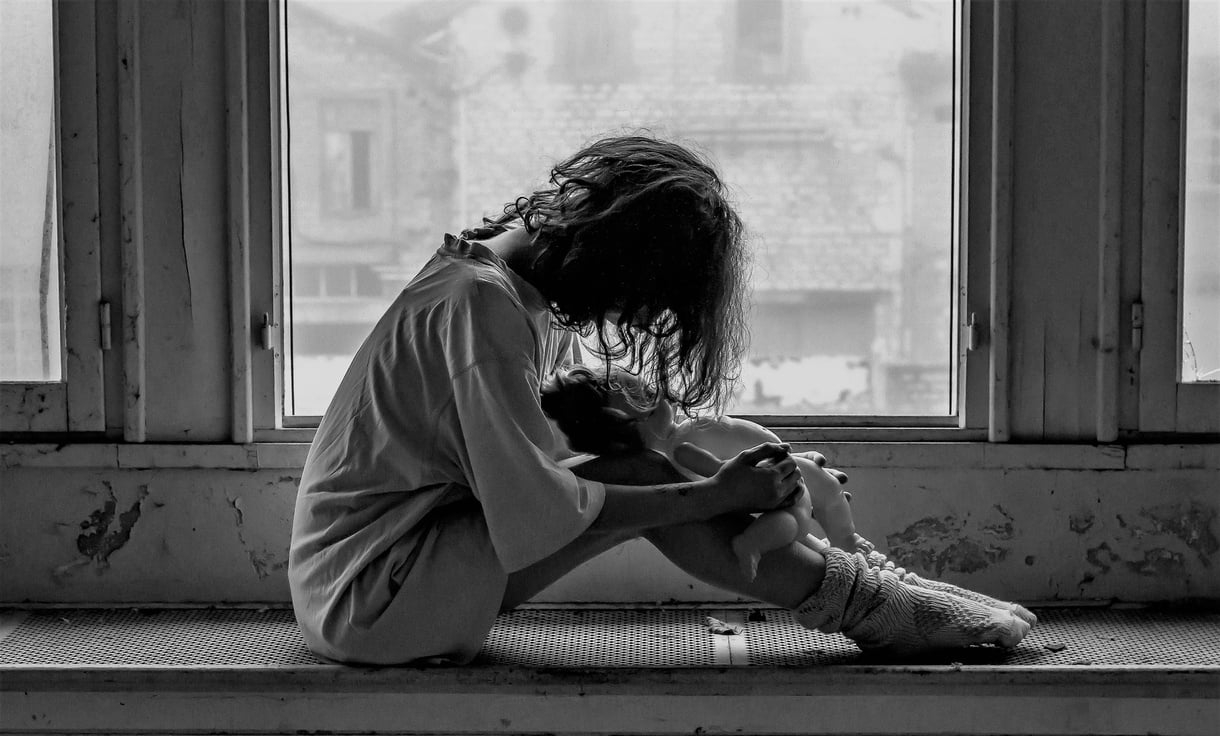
pixel 241 516
pixel 264 563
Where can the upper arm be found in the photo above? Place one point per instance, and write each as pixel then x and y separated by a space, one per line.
pixel 504 442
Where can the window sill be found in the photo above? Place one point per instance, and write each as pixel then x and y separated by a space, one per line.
pixel 1097 670
pixel 291 455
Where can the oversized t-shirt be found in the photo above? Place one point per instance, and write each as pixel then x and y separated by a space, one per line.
pixel 440 404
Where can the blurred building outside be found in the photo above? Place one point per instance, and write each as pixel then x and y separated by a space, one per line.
pixel 831 121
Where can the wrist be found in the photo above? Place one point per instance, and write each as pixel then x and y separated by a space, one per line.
pixel 710 496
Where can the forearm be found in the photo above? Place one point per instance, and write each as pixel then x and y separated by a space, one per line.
pixel 644 490
pixel 637 508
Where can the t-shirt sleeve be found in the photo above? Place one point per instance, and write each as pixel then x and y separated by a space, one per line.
pixel 532 505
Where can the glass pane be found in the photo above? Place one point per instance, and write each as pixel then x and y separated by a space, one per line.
pixel 29 238
pixel 1201 240
pixel 834 123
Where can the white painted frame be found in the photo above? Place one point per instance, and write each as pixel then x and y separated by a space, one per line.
pixel 1166 404
pixel 76 403
pixel 985 52
pixel 256 211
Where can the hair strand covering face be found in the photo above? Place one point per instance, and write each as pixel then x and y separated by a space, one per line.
pixel 638 244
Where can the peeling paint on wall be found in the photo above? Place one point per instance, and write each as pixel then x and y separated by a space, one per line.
pixel 107 530
pixel 1195 525
pixel 1158 562
pixel 1157 541
pixel 1081 523
pixel 950 543
pixel 221 534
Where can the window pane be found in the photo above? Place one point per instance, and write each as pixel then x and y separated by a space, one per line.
pixel 1201 241
pixel 834 123
pixel 29 238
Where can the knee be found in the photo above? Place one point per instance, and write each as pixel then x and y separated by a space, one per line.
pixel 642 468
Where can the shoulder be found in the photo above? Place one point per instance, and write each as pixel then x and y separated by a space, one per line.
pixel 483 291
pixel 485 319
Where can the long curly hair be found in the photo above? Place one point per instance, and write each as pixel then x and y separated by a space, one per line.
pixel 637 243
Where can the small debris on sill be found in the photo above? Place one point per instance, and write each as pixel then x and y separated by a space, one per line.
pixel 716 626
pixel 1056 647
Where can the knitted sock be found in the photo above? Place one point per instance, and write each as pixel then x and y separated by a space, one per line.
pixel 878 560
pixel 1015 609
pixel 872 607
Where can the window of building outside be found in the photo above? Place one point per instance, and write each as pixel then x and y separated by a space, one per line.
pixel 1201 210
pixel 347 150
pixel 30 303
pixel 760 47
pixel 844 170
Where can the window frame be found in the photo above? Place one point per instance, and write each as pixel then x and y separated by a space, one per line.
pixel 976 371
pixel 1140 396
pixel 76 402
pixel 1166 404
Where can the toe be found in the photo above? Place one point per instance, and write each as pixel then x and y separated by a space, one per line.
pixel 1024 614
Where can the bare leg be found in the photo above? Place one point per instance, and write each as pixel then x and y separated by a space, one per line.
pixel 704 550
pixel 529 582
pixel 786 576
pixel 766 533
pixel 644 468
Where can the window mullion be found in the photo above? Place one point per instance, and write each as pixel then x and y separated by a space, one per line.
pixel 240 317
pixel 264 213
pixel 79 196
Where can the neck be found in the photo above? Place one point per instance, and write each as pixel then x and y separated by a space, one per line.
pixel 516 248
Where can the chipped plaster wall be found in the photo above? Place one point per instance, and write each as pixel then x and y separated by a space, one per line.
pixel 106 525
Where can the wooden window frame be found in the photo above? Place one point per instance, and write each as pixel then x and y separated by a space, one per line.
pixel 1167 405
pixel 76 402
pixel 983 111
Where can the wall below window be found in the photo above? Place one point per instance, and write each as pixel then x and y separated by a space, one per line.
pixel 109 523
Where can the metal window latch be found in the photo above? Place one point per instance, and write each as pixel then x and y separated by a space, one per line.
pixel 974 332
pixel 266 332
pixel 103 325
pixel 1137 326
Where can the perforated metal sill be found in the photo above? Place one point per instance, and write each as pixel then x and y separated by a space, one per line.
pixel 591 638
